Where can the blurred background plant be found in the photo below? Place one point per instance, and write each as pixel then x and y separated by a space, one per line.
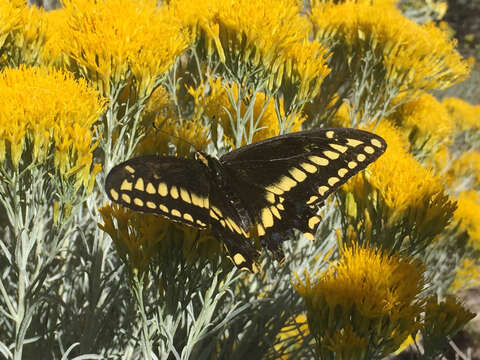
pixel 92 83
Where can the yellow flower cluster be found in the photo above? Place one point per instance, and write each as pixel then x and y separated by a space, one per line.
pixel 219 101
pixel 414 56
pixel 465 115
pixel 115 40
pixel 234 30
pixel 465 171
pixel 427 123
pixel 139 237
pixel 36 112
pixel 10 18
pixel 441 320
pixel 468 216
pixel 168 129
pixel 403 188
pixel 467 276
pixel 367 298
pixel 22 31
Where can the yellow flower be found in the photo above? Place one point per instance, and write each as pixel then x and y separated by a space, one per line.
pixel 140 237
pixel 413 56
pixel 466 116
pixel 10 18
pixel 234 30
pixel 37 112
pixel 117 40
pixel 182 134
pixel 369 292
pixel 402 190
pixel 56 26
pixel 442 320
pixel 468 216
pixel 427 123
pixel 217 105
pixel 22 31
pixel 464 172
pixel 305 69
pixel 467 276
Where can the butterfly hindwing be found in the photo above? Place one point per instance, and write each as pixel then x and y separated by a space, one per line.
pixel 172 187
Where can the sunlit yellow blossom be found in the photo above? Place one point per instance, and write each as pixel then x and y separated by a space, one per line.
pixel 465 115
pixel 10 18
pixel 467 276
pixel 406 188
pixel 427 123
pixel 139 237
pixel 217 105
pixel 367 291
pixel 413 56
pixel 115 40
pixel 37 112
pixel 22 33
pixel 464 172
pixel 30 39
pixel 315 3
pixel 56 26
pixel 468 216
pixel 306 66
pixel 442 319
pixel 185 135
pixel 235 31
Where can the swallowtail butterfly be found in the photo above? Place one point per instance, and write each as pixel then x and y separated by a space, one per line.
pixel 263 190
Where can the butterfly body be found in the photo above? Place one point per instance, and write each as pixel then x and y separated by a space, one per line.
pixel 262 190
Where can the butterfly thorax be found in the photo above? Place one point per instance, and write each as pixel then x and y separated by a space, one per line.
pixel 222 183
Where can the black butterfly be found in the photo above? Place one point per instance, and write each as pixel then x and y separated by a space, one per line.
pixel 262 190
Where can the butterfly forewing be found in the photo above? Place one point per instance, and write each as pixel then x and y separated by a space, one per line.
pixel 297 172
pixel 173 187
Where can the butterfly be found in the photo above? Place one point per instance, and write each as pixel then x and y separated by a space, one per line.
pixel 259 191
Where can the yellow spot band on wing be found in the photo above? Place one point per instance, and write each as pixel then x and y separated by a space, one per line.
pixel 354 142
pixel 114 194
pixel 150 188
pixel 162 189
pixel 309 168
pixel 331 154
pixel 318 160
pixel 130 169
pixel 322 190
pixel 339 148
pixel 139 185
pixel 126 186
pixel 342 172
pixel 376 143
pixel 267 218
pixel 333 180
pixel 297 174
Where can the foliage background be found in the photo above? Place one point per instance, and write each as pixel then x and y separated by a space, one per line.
pixel 91 84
